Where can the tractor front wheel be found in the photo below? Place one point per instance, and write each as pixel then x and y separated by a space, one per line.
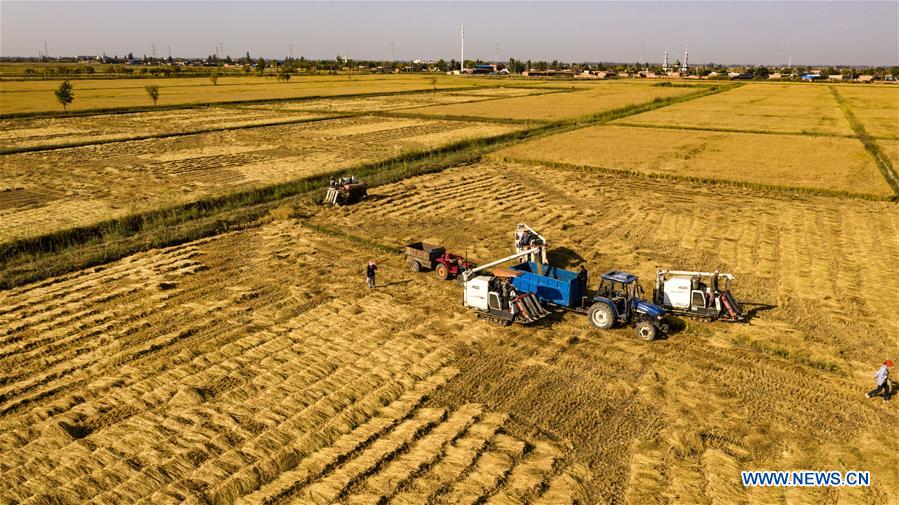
pixel 441 272
pixel 414 266
pixel 601 316
pixel 646 331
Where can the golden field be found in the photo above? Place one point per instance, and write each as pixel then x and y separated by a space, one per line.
pixel 785 391
pixel 42 192
pixel 767 107
pixel 60 131
pixel 581 100
pixel 407 102
pixel 253 366
pixel 37 96
pixel 876 108
pixel 817 162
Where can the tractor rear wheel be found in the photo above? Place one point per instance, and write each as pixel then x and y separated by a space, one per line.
pixel 646 331
pixel 601 316
pixel 414 266
pixel 441 272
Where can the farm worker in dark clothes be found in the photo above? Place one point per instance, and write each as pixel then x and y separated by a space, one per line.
pixel 370 273
pixel 506 292
pixel 582 278
pixel 883 380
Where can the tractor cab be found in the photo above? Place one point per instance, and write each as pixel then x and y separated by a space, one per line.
pixel 620 288
pixel 619 299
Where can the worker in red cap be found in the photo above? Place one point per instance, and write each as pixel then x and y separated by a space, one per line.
pixel 883 381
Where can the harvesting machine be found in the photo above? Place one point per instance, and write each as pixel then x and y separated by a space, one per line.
pixel 495 298
pixel 345 191
pixel 697 294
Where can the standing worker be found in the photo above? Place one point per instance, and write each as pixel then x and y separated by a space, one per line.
pixel 883 381
pixel 582 278
pixel 370 273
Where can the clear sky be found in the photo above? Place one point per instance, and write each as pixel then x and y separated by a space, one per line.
pixel 857 32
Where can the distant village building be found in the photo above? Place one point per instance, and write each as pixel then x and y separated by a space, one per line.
pixel 547 73
pixel 596 74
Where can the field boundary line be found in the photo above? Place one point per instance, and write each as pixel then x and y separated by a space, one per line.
pixel 467 119
pixel 695 179
pixel 70 145
pixel 551 91
pixel 731 130
pixel 883 163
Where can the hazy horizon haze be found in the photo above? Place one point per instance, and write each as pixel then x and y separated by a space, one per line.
pixel 761 33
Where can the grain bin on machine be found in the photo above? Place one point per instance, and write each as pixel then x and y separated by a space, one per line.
pixel 494 298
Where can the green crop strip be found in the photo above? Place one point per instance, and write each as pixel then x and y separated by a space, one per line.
pixel 883 163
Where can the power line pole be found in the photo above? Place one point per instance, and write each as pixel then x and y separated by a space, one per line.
pixel 153 50
pixel 46 51
pixel 291 51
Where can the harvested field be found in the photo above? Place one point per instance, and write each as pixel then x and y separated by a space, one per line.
pixel 255 367
pixel 582 100
pixel 153 173
pixel 653 423
pixel 876 107
pixel 399 101
pixel 200 378
pixel 37 96
pixel 757 107
pixel 37 132
pixel 815 162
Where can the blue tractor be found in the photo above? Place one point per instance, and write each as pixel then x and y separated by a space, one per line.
pixel 619 299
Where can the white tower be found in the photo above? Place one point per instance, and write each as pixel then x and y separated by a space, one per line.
pixel 462 58
pixel 685 67
pixel 665 63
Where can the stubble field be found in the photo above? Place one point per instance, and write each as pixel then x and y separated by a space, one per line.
pixel 71 187
pixel 782 108
pixel 254 366
pixel 817 162
pixel 20 97
pixel 581 100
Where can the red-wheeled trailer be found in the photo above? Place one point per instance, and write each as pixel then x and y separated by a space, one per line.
pixel 423 256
